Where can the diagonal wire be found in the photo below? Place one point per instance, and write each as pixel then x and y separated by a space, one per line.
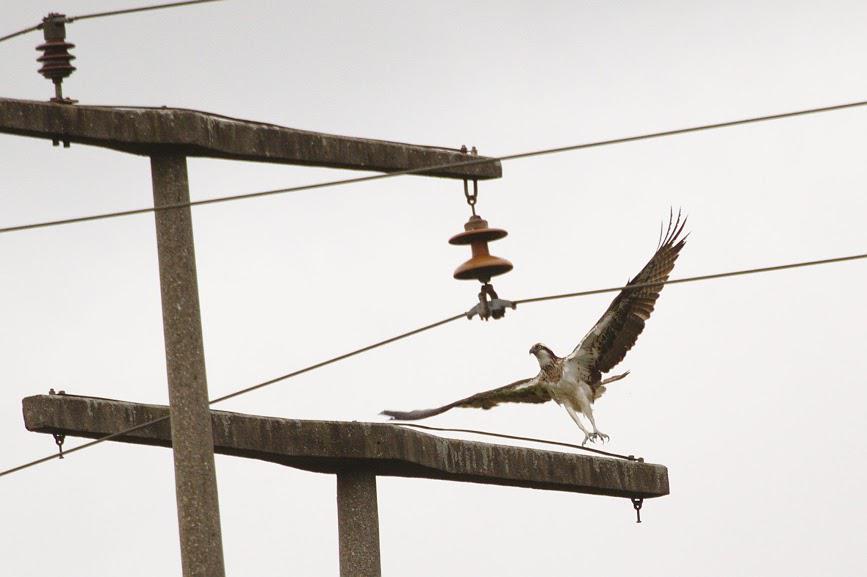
pixel 20 32
pixel 71 19
pixel 440 323
pixel 438 167
pixel 242 391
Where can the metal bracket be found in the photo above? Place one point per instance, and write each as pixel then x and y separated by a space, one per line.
pixel 490 305
pixel 58 437
pixel 636 504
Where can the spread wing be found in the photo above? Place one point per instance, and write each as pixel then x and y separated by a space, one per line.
pixel 616 332
pixel 523 391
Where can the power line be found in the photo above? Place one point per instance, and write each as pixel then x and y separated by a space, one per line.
pixel 432 326
pixel 20 32
pixel 139 9
pixel 694 278
pixel 438 167
pixel 71 19
pixel 242 391
pixel 340 357
pixel 80 447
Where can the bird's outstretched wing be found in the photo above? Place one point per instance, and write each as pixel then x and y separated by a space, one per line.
pixel 616 332
pixel 523 391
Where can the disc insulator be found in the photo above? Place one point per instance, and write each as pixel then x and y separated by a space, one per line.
pixel 482 266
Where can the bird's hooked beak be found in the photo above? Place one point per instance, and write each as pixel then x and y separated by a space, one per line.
pixel 533 349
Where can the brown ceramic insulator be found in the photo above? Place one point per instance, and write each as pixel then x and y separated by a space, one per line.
pixel 56 57
pixel 482 266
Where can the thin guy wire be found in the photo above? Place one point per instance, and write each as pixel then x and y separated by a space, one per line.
pixel 438 167
pixel 110 13
pixel 434 325
pixel 243 391
pixel 518 438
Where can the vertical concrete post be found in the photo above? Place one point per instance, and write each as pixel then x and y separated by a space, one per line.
pixel 358 524
pixel 192 440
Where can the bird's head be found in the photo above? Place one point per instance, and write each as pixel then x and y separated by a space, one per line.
pixel 543 354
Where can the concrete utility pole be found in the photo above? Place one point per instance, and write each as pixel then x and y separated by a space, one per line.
pixel 358 523
pixel 168 136
pixel 192 439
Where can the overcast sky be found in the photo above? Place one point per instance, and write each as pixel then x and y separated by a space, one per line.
pixel 750 390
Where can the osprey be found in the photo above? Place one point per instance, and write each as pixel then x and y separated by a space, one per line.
pixel 575 381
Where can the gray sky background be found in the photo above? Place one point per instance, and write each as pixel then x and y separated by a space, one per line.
pixel 750 390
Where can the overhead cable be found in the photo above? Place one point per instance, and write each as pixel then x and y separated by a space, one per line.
pixel 110 13
pixel 243 391
pixel 434 325
pixel 437 167
pixel 693 278
pixel 139 9
pixel 20 32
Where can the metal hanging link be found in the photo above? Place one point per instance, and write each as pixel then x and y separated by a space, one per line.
pixel 474 197
pixel 636 504
pixel 58 437
pixel 471 198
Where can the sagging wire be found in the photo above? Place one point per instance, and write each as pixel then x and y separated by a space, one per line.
pixel 437 324
pixel 70 19
pixel 438 167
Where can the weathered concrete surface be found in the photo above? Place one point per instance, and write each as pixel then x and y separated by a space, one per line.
pixel 358 524
pixel 381 448
pixel 192 439
pixel 149 131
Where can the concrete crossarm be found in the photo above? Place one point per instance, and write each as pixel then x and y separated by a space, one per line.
pixel 330 446
pixel 151 131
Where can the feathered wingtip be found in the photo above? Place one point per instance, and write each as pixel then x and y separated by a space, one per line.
pixel 675 228
pixel 414 415
pixel 394 415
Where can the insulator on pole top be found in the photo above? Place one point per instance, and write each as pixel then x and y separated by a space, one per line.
pixel 55 57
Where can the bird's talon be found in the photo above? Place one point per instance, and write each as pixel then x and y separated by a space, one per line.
pixel 603 438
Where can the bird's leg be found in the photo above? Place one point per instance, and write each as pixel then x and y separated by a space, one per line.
pixel 596 434
pixel 574 415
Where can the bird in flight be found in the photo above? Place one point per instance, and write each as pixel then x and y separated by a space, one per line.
pixel 575 381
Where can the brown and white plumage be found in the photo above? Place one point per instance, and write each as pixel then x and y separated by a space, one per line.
pixel 575 381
